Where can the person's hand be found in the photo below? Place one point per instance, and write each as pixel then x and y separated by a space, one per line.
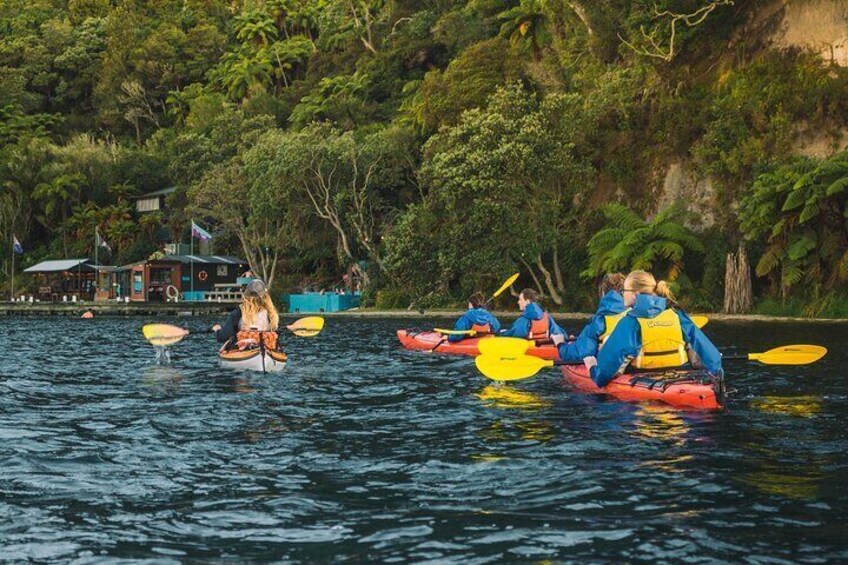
pixel 243 343
pixel 216 328
pixel 590 362
pixel 557 339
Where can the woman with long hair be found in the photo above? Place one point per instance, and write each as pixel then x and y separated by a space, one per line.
pixel 256 318
pixel 654 334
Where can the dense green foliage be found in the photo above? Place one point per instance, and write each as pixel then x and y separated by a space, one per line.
pixel 431 148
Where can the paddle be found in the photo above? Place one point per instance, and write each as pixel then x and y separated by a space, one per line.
pixel 504 363
pixel 699 321
pixel 786 355
pixel 163 335
pixel 503 287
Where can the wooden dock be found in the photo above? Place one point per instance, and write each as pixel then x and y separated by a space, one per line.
pixel 113 308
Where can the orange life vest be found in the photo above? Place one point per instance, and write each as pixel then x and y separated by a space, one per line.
pixel 269 339
pixel 540 329
pixel 482 328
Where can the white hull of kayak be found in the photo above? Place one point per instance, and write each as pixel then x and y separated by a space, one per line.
pixel 254 363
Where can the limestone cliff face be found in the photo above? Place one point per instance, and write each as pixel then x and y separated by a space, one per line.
pixel 820 26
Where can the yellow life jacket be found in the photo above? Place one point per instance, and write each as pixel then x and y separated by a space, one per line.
pixel 609 324
pixel 663 345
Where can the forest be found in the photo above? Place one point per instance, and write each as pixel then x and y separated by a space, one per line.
pixel 431 148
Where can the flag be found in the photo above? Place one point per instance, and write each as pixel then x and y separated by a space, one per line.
pixel 200 233
pixel 16 246
pixel 101 242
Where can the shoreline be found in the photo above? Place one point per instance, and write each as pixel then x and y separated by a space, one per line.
pixel 210 308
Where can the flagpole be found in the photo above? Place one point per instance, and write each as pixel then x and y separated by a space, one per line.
pixel 191 257
pixel 96 262
pixel 12 278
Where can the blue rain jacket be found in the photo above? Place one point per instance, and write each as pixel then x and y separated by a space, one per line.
pixel 521 326
pixel 625 341
pixel 586 343
pixel 474 316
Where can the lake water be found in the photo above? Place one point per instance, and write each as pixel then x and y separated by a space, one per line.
pixel 363 452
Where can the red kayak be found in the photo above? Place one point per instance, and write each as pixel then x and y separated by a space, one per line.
pixel 677 387
pixel 434 341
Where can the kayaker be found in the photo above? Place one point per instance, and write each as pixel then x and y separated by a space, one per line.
pixel 610 310
pixel 477 318
pixel 534 323
pixel 654 334
pixel 255 314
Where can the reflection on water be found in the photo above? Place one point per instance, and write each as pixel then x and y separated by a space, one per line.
pixel 792 481
pixel 503 396
pixel 806 406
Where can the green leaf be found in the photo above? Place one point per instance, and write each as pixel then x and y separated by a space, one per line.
pixel 795 199
pixel 801 246
pixel 837 187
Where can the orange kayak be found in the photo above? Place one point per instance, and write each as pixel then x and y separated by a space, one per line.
pixel 677 387
pixel 438 343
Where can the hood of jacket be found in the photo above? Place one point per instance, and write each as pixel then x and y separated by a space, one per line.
pixel 611 303
pixel 533 312
pixel 648 306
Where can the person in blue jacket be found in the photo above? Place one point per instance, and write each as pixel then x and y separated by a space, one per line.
pixel 610 311
pixel 653 335
pixel 534 323
pixel 477 318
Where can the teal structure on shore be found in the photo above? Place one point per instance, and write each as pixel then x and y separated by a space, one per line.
pixel 321 302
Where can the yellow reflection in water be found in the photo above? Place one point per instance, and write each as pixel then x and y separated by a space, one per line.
pixel 784 478
pixel 504 397
pixel 165 376
pixel 792 482
pixel 659 422
pixel 805 406
pixel 500 396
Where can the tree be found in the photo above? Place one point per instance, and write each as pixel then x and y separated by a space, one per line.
pixel 628 242
pixel 799 209
pixel 239 197
pixel 502 188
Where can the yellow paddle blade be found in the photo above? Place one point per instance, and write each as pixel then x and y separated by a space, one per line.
pixel 790 355
pixel 454 332
pixel 505 285
pixel 504 346
pixel 502 368
pixel 699 320
pixel 307 327
pixel 163 335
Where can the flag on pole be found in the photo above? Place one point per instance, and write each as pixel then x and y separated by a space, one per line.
pixel 101 242
pixel 200 233
pixel 16 246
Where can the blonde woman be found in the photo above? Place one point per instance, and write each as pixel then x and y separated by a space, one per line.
pixel 653 335
pixel 247 323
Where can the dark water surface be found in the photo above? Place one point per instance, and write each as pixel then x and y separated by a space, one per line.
pixel 363 452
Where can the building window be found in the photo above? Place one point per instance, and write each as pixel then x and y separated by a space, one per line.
pixel 148 205
pixel 222 270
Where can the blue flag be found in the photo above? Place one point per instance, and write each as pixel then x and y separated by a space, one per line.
pixel 200 233
pixel 17 247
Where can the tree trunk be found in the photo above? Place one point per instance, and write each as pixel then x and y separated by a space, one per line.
pixel 738 295
pixel 533 274
pixel 549 281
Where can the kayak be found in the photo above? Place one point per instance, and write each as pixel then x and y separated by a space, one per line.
pixel 438 343
pixel 678 387
pixel 253 360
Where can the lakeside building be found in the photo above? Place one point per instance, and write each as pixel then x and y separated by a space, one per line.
pixel 215 278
